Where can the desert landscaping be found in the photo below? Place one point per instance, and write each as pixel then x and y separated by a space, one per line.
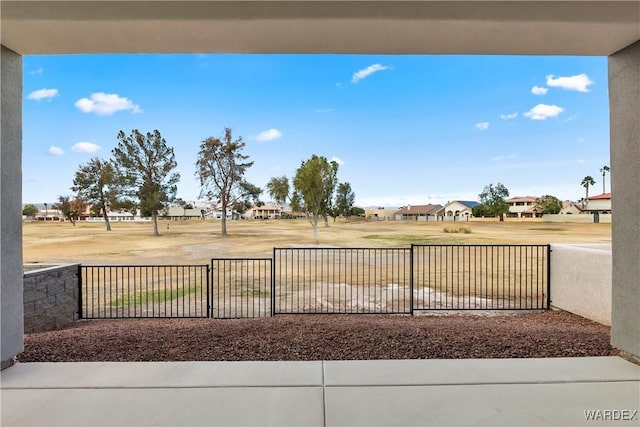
pixel 198 241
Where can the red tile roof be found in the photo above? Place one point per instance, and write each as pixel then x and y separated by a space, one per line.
pixel 603 196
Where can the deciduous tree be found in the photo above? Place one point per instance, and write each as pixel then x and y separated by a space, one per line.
pixel 345 198
pixel 313 185
pixel 493 199
pixel 221 167
pixel 278 189
pixel 548 204
pixel 146 164
pixel 30 211
pixel 71 209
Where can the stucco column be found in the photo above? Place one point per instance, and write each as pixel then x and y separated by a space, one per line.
pixel 624 105
pixel 11 205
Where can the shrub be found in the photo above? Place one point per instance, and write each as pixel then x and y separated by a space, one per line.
pixel 463 230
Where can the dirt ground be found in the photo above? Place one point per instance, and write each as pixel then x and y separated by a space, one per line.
pixel 198 241
pixel 331 337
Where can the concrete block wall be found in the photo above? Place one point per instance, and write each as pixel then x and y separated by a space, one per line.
pixel 581 280
pixel 50 298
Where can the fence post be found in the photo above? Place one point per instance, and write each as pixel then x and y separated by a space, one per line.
pixel 80 314
pixel 273 283
pixel 548 276
pixel 411 279
pixel 209 292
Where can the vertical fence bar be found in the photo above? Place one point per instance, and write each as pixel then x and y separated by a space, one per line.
pixel 79 291
pixel 548 277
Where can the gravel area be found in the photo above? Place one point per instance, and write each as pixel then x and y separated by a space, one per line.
pixel 330 337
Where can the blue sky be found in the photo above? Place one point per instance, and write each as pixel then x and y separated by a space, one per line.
pixel 405 129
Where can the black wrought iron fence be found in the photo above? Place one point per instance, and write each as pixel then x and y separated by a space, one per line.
pixel 342 280
pixel 241 287
pixel 326 281
pixel 481 277
pixel 136 291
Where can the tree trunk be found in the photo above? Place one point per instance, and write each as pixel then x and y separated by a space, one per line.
pixel 154 218
pixel 603 183
pixel 316 239
pixel 106 218
pixel 224 218
pixel 326 220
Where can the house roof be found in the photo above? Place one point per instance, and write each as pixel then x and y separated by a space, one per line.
pixel 603 196
pixel 419 210
pixel 521 199
pixel 468 203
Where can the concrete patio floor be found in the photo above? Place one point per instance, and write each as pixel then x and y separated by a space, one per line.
pixel 333 393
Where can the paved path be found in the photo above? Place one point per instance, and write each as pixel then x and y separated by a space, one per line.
pixel 333 393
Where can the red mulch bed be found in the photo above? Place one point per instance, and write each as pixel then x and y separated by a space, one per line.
pixel 329 337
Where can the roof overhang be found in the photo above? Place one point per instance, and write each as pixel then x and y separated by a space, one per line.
pixel 382 27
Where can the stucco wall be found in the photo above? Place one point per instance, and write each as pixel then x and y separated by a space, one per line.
pixel 581 280
pixel 581 218
pixel 50 298
pixel 10 206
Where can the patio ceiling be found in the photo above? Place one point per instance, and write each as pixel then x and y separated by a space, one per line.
pixel 386 27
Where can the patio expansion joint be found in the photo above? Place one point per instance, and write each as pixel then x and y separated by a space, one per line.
pixel 195 387
pixel 482 383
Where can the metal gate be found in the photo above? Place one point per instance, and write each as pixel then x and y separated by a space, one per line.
pixel 241 287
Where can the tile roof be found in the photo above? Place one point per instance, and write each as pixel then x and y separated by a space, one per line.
pixel 419 210
pixel 603 196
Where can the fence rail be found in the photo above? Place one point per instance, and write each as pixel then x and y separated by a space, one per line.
pixel 326 281
pixel 138 291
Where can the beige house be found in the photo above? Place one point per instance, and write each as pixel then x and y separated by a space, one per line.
pixel 599 204
pixel 458 209
pixel 264 212
pixel 522 207
pixel 570 208
pixel 418 212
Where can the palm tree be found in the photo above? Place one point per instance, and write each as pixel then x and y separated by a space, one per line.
pixel 586 182
pixel 604 170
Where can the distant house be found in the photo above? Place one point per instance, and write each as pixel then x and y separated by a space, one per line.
pixel 417 212
pixel 522 207
pixel 180 213
pixel 264 212
pixel 379 213
pixel 458 209
pixel 571 208
pixel 217 214
pixel 600 204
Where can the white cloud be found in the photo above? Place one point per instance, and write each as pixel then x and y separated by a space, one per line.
pixel 537 90
pixel 40 94
pixel 55 151
pixel 543 112
pixel 338 160
pixel 366 72
pixel 105 104
pixel 509 116
pixel 268 135
pixel 482 125
pixel 37 72
pixel 580 82
pixel 85 147
pixel 324 110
